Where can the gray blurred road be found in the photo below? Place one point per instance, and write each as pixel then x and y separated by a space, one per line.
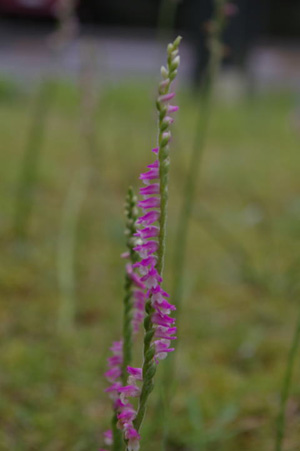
pixel 25 53
pixel 25 56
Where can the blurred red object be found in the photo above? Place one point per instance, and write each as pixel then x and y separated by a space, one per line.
pixel 29 7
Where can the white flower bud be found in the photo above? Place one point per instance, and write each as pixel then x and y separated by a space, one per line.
pixel 164 72
pixel 170 49
pixel 175 63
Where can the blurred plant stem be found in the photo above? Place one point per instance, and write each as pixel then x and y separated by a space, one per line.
pixel 87 112
pixel 166 16
pixel 29 168
pixel 131 214
pixel 237 251
pixel 118 442
pixel 66 251
pixel 67 27
pixel 214 29
pixel 204 100
pixel 88 105
pixel 286 386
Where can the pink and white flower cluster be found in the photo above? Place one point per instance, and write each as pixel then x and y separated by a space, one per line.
pixel 118 393
pixel 126 412
pixel 151 280
pixel 148 286
pixel 147 250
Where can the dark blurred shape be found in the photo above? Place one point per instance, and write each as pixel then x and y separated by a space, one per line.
pixel 278 17
pixel 284 18
pixel 29 7
pixel 130 13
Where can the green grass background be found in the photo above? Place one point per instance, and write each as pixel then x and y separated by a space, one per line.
pixel 237 319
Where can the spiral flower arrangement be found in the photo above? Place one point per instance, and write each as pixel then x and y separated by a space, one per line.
pixel 145 299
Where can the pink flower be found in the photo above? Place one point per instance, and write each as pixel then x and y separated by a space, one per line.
pixel 165 332
pixel 108 437
pixel 172 109
pixel 162 320
pixel 169 119
pixel 143 264
pixel 164 306
pixel 150 175
pixel 150 189
pixel 150 202
pixel 152 278
pixel 113 374
pixel 166 97
pixel 158 294
pixel 114 387
pixel 154 165
pixel 115 360
pixel 134 277
pixel 148 232
pixel 130 391
pixel 127 414
pixel 125 255
pixel 147 248
pixel 119 405
pixel 162 349
pixel 117 347
pixel 133 438
pixel 113 390
pixel 149 218
pixel 136 372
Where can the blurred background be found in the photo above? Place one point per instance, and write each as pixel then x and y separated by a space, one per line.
pixel 78 82
pixel 262 38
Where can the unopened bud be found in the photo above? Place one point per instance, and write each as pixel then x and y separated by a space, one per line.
pixel 164 72
pixel 170 49
pixel 167 121
pixel 177 41
pixel 175 63
pixel 166 136
pixel 162 85
pixel 173 74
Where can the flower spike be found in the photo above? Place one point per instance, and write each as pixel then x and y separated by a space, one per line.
pixel 144 278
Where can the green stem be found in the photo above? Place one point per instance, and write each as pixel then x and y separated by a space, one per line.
pixel 189 192
pixel 127 329
pixel 88 103
pixel 187 204
pixel 29 169
pixel 66 251
pixel 286 387
pixel 166 16
pixel 229 242
pixel 118 444
pixel 149 366
pixel 164 178
pixel 130 230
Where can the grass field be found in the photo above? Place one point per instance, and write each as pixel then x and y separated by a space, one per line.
pixel 240 304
